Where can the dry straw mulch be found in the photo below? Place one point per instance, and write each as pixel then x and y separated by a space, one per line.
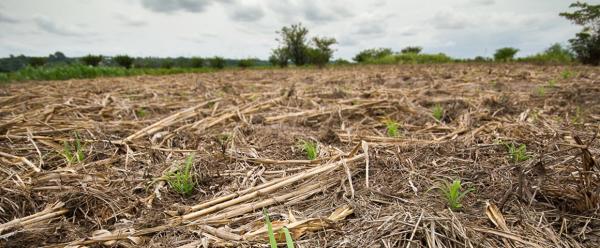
pixel 364 190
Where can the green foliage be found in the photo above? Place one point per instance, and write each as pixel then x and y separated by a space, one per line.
pixel 123 61
pixel 79 71
pixel 411 58
pixel 552 83
pixel 341 61
pixel 517 154
pixel 391 128
pixel 294 40
pixel 310 148
pixel 37 61
pixel 566 74
pixel 586 44
pixel 540 91
pixel 196 62
pixel 372 54
pixel 91 60
pixel 505 54
pixel 182 181
pixel 555 54
pixel 167 64
pixel 272 241
pixel 141 112
pixel 322 52
pixel 245 63
pixel 412 49
pixel 279 57
pixel 217 62
pixel 438 112
pixel 454 194
pixel 70 155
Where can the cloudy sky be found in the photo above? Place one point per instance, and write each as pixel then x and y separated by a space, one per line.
pixel 246 28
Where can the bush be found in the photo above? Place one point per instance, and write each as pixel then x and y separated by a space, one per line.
pixel 37 61
pixel 555 54
pixel 196 62
pixel 91 60
pixel 279 57
pixel 372 54
pixel 412 49
pixel 412 58
pixel 341 62
pixel 245 63
pixel 322 53
pixel 167 64
pixel 505 54
pixel 217 62
pixel 123 61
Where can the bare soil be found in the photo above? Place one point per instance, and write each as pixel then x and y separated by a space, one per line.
pixel 365 189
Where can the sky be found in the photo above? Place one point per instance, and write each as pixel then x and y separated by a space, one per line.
pixel 247 28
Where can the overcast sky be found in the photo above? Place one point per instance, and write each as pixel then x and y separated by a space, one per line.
pixel 246 28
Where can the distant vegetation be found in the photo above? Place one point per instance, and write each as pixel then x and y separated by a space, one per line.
pixel 296 48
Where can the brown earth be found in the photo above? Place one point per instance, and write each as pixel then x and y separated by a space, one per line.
pixel 365 189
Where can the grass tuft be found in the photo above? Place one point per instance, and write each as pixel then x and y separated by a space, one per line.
pixel 391 128
pixel 540 91
pixel 517 154
pixel 454 194
pixel 310 148
pixel 438 112
pixel 182 181
pixel 73 157
pixel 272 241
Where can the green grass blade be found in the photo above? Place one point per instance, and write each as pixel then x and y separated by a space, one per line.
pixel 288 238
pixel 272 240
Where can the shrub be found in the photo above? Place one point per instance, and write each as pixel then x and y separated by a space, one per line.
pixel 372 54
pixel 555 54
pixel 279 57
pixel 586 44
pixel 123 61
pixel 322 53
pixel 167 64
pixel 245 63
pixel 341 61
pixel 505 54
pixel 412 49
pixel 91 60
pixel 37 61
pixel 196 62
pixel 217 62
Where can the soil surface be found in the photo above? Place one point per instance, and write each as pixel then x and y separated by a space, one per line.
pixel 91 163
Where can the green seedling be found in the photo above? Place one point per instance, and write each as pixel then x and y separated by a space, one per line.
pixel 76 156
pixel 310 148
pixel 223 140
pixel 391 128
pixel 141 112
pixel 454 194
pixel 438 112
pixel 552 83
pixel 517 154
pixel 272 241
pixel 540 91
pixel 566 74
pixel 578 117
pixel 182 181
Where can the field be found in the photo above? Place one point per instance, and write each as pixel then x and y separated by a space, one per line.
pixel 92 162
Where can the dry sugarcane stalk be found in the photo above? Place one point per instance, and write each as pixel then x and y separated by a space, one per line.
pixel 48 213
pixel 289 180
pixel 168 121
pixel 23 160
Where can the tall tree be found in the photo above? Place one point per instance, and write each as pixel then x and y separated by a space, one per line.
pixel 293 40
pixel 586 43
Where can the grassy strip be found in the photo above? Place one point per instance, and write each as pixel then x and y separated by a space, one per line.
pixel 82 71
